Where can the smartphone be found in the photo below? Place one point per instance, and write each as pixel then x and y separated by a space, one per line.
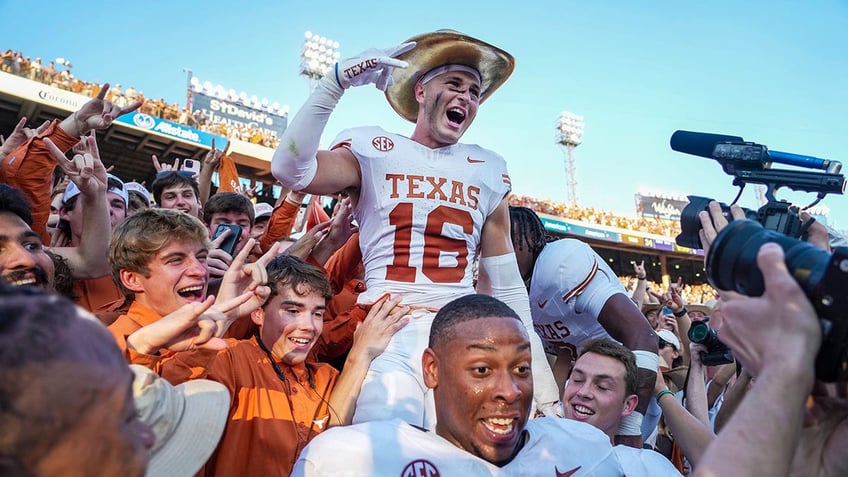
pixel 191 165
pixel 229 244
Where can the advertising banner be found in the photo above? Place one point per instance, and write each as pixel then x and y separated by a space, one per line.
pixel 235 115
pixel 167 128
pixel 659 207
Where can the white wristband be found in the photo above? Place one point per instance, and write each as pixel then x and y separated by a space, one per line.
pixel 647 360
pixel 631 425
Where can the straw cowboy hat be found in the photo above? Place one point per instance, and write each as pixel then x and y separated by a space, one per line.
pixel 446 47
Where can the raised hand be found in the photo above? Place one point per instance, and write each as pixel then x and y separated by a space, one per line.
pixel 20 135
pixel 342 226
pixel 249 192
pixel 639 270
pixel 85 169
pixel 164 166
pixel 672 298
pixel 97 113
pixel 213 157
pixel 250 278
pixel 384 318
pixel 714 221
pixel 371 66
pixel 193 325
pixel 304 245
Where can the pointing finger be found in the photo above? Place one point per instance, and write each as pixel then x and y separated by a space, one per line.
pixel 102 94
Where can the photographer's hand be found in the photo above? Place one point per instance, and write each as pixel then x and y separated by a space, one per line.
pixel 817 233
pixel 779 328
pixel 714 221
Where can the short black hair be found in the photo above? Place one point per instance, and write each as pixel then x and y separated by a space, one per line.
pixel 171 179
pixel 224 202
pixel 14 201
pixel 467 308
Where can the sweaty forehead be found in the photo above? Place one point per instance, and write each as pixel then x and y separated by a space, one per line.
pixel 489 332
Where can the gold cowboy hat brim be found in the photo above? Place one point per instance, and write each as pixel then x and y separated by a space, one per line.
pixel 446 47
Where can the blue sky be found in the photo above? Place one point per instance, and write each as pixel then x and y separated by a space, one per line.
pixel 773 72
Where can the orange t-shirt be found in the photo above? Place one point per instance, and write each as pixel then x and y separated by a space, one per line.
pixel 97 294
pixel 270 421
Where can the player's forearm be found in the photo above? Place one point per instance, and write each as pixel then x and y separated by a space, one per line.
pixel 295 162
pixel 761 437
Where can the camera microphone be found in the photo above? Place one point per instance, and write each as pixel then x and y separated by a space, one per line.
pixel 699 144
pixel 703 145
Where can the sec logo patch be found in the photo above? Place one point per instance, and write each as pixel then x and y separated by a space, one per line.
pixel 420 468
pixel 382 143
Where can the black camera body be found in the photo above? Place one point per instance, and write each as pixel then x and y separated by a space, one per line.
pixel 749 162
pixel 731 263
pixel 717 352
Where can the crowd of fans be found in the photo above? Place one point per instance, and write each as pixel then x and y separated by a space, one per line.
pixel 61 77
pixel 590 215
pixel 238 333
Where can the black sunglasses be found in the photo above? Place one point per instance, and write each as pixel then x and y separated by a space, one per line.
pixel 162 174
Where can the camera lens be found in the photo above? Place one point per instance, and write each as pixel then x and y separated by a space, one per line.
pixel 732 259
pixel 699 332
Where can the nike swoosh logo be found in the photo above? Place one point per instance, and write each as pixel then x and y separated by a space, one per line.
pixel 543 303
pixel 567 473
pixel 474 161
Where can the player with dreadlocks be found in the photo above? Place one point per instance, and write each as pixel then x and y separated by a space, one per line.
pixel 569 284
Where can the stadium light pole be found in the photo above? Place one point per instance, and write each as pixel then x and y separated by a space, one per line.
pixel 317 57
pixel 570 134
pixel 189 75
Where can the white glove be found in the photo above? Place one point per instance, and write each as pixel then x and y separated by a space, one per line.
pixel 372 66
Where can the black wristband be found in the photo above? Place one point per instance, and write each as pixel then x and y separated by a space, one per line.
pixel 679 314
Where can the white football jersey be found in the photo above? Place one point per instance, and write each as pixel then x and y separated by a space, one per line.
pixel 570 285
pixel 553 446
pixel 644 463
pixel 421 212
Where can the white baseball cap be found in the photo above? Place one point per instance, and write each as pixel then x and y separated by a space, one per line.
pixel 72 190
pixel 140 189
pixel 261 209
pixel 669 337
